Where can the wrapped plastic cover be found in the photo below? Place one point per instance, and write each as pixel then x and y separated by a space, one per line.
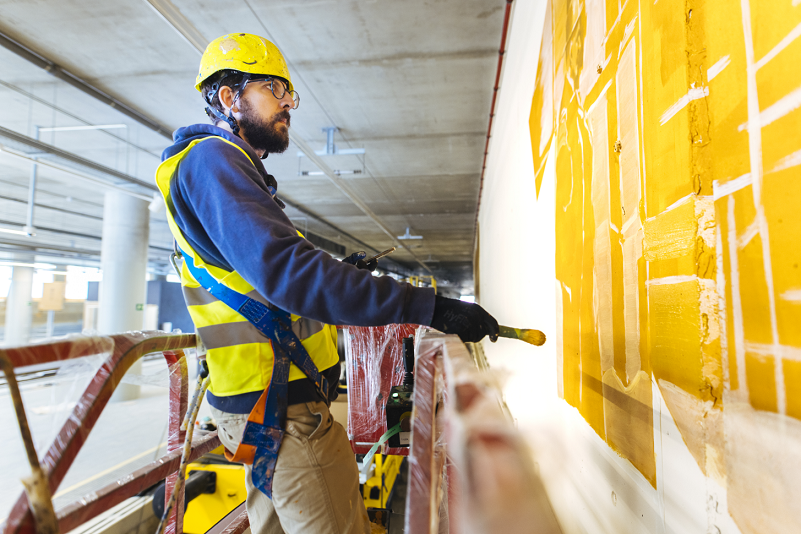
pixel 374 364
pixel 469 469
pixel 94 365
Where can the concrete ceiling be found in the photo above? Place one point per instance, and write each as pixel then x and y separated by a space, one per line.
pixel 410 82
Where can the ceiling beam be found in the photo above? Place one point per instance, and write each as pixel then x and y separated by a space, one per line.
pixel 175 19
pixel 40 61
pixel 28 147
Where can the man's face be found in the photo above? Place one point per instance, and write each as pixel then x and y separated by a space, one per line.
pixel 264 120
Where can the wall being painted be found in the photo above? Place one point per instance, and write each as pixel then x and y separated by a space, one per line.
pixel 641 207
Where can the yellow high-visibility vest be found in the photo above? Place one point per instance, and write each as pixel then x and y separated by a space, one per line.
pixel 240 358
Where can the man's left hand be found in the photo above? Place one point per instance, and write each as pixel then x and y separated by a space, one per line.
pixel 357 259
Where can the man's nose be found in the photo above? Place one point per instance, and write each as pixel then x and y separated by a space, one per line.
pixel 287 101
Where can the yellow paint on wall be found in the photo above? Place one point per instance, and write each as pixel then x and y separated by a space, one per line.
pixel 792 379
pixel 761 387
pixel 672 233
pixel 629 421
pixel 678 186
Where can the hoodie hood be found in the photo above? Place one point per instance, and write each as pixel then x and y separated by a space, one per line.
pixel 183 136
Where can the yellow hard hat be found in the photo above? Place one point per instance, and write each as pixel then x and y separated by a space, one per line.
pixel 244 52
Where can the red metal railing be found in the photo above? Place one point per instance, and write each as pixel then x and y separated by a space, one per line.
pixel 125 350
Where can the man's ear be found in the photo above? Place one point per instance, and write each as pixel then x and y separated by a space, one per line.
pixel 226 95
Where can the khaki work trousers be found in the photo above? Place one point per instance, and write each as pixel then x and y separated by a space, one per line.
pixel 316 481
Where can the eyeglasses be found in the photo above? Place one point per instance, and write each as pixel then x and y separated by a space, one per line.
pixel 280 90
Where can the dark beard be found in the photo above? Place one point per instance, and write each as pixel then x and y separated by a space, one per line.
pixel 263 135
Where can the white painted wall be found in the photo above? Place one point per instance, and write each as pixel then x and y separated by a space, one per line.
pixel 591 488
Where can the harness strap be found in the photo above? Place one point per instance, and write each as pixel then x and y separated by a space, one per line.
pixel 275 324
pixel 264 430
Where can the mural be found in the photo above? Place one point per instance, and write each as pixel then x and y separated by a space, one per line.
pixel 675 132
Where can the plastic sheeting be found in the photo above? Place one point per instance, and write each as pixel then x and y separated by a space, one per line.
pixel 427 494
pixel 470 469
pixel 374 364
pixel 115 355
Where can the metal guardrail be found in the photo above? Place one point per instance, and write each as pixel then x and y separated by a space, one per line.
pixel 33 511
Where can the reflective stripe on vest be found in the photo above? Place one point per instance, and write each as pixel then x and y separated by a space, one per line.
pixel 264 429
pixel 240 358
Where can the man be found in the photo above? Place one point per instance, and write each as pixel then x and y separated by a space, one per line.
pixel 238 244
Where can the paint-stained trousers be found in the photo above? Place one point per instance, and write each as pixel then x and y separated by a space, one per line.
pixel 316 482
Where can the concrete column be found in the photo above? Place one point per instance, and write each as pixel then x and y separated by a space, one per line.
pixel 19 308
pixel 123 260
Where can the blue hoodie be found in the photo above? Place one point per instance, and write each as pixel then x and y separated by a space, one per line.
pixel 224 204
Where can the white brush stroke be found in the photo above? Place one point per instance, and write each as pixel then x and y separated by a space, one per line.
pixel 736 304
pixel 788 161
pixel 679 202
pixel 695 93
pixel 789 103
pixel 670 280
pixel 630 221
pixel 792 295
pixel 789 38
pixel 749 234
pixel 756 121
pixel 720 191
pixel 785 352
pixel 715 69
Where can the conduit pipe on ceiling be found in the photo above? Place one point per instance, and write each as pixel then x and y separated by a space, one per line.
pixel 501 52
pixel 39 148
pixel 62 74
pixel 96 181
pixel 175 19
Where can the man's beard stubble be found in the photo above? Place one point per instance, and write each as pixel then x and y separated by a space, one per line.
pixel 261 134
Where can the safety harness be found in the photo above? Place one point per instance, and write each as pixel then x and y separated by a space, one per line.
pixel 264 429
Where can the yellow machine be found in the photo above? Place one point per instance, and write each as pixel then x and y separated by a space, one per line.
pixel 378 487
pixel 207 509
pixel 419 281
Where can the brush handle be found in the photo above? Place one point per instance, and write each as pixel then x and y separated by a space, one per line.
pixel 507 331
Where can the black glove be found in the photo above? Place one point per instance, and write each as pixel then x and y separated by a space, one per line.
pixel 468 321
pixel 357 259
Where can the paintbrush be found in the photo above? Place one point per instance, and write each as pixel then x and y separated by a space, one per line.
pixel 535 337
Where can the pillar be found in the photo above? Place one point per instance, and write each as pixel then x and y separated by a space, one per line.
pixel 123 260
pixel 19 308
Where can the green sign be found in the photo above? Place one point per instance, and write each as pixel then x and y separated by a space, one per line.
pixel 140 307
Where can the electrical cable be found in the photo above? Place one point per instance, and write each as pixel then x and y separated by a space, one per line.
pixel 188 424
pixel 368 458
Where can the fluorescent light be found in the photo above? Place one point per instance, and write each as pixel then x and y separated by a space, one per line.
pixel 44 266
pixel 87 127
pixel 15 232
pixel 321 173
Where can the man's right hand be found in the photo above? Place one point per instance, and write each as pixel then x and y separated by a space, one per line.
pixel 468 321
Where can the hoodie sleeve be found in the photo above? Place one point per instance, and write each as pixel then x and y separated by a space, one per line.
pixel 222 190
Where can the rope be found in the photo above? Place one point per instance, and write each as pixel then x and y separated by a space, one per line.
pixel 188 424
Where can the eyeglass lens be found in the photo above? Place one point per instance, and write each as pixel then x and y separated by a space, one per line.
pixel 279 90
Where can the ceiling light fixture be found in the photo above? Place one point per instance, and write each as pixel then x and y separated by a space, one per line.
pixel 44 266
pixel 321 173
pixel 408 235
pixel 15 232
pixel 87 127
